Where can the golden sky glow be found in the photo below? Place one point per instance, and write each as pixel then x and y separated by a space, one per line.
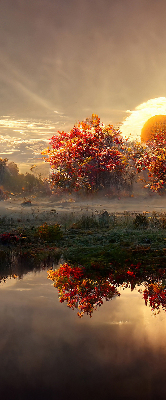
pixel 63 60
pixel 134 123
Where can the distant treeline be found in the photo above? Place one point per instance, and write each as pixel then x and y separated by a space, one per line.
pixel 12 181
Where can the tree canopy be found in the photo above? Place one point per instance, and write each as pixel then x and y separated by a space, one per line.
pixel 153 160
pixel 90 156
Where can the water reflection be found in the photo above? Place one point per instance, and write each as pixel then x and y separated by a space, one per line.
pixel 13 265
pixel 80 291
pixel 86 291
pixel 46 352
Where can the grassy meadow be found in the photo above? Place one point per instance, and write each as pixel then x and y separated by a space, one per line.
pixel 86 236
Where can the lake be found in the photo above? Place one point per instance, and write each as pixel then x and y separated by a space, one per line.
pixel 47 351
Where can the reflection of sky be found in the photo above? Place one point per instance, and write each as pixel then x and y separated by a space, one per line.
pixel 46 349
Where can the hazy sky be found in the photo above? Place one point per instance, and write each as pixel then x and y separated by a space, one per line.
pixel 80 56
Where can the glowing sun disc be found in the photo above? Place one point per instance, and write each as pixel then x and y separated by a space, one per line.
pixel 154 125
pixel 134 123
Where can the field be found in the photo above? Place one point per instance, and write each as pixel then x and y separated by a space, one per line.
pixel 115 232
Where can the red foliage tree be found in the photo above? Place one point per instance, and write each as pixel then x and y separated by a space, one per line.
pixel 153 160
pixel 89 157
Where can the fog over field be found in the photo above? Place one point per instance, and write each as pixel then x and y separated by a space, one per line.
pixel 52 210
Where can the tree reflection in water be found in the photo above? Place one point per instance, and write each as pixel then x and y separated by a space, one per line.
pixel 155 295
pixel 80 291
pixel 85 290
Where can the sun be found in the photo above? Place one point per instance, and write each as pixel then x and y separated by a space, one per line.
pixel 134 123
pixel 153 125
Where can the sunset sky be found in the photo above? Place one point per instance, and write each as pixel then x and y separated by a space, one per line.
pixel 62 60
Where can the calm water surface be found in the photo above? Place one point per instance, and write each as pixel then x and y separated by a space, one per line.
pixel 46 351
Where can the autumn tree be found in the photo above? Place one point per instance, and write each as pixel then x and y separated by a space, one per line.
pixel 13 168
pixel 153 161
pixel 3 169
pixel 12 181
pixel 89 157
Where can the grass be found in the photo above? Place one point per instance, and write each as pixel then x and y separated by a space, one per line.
pixel 103 239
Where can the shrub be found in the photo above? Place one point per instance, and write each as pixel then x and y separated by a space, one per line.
pixel 49 233
pixel 86 222
pixel 141 221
